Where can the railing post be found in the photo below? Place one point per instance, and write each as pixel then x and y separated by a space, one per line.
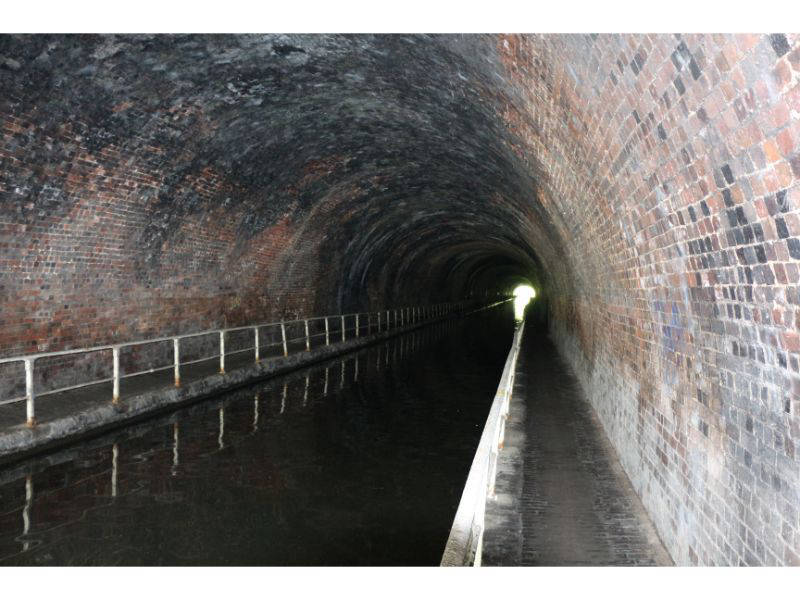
pixel 222 351
pixel 283 339
pixel 388 323
pixel 327 333
pixel 176 353
pixel 256 342
pixel 379 321
pixel 343 334
pixel 308 340
pixel 115 357
pixel 357 332
pixel 29 402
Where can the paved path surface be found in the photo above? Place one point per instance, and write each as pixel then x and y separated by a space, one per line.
pixel 562 497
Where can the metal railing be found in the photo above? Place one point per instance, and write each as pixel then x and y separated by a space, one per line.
pixel 179 455
pixel 465 543
pixel 352 325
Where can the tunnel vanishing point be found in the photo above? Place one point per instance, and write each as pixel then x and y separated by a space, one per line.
pixel 647 186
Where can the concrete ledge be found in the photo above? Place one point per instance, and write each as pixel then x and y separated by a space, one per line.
pixel 20 441
pixel 464 544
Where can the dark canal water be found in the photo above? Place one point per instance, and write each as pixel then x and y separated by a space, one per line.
pixel 357 461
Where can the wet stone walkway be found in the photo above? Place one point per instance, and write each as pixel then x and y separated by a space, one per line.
pixel 562 496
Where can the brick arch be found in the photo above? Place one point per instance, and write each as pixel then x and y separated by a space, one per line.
pixel 647 183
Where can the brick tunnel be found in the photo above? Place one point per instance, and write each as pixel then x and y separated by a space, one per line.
pixel 648 187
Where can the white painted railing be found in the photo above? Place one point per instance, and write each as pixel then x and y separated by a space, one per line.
pixel 353 324
pixel 465 543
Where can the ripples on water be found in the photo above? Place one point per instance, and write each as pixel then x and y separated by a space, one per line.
pixel 356 461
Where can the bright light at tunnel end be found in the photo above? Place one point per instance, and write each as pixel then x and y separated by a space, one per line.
pixel 522 296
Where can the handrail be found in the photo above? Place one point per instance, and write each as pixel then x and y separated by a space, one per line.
pixel 386 320
pixel 465 542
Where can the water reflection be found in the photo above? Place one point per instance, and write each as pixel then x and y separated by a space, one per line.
pixel 26 512
pixel 114 456
pixel 221 438
pixel 176 442
pixel 370 473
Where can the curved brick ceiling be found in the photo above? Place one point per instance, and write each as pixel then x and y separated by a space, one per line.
pixel 650 184
pixel 371 169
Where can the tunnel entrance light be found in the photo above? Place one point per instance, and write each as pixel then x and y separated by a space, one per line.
pixel 522 296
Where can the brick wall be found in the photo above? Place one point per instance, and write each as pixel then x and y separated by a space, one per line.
pixel 647 184
pixel 152 185
pixel 89 254
pixel 675 161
